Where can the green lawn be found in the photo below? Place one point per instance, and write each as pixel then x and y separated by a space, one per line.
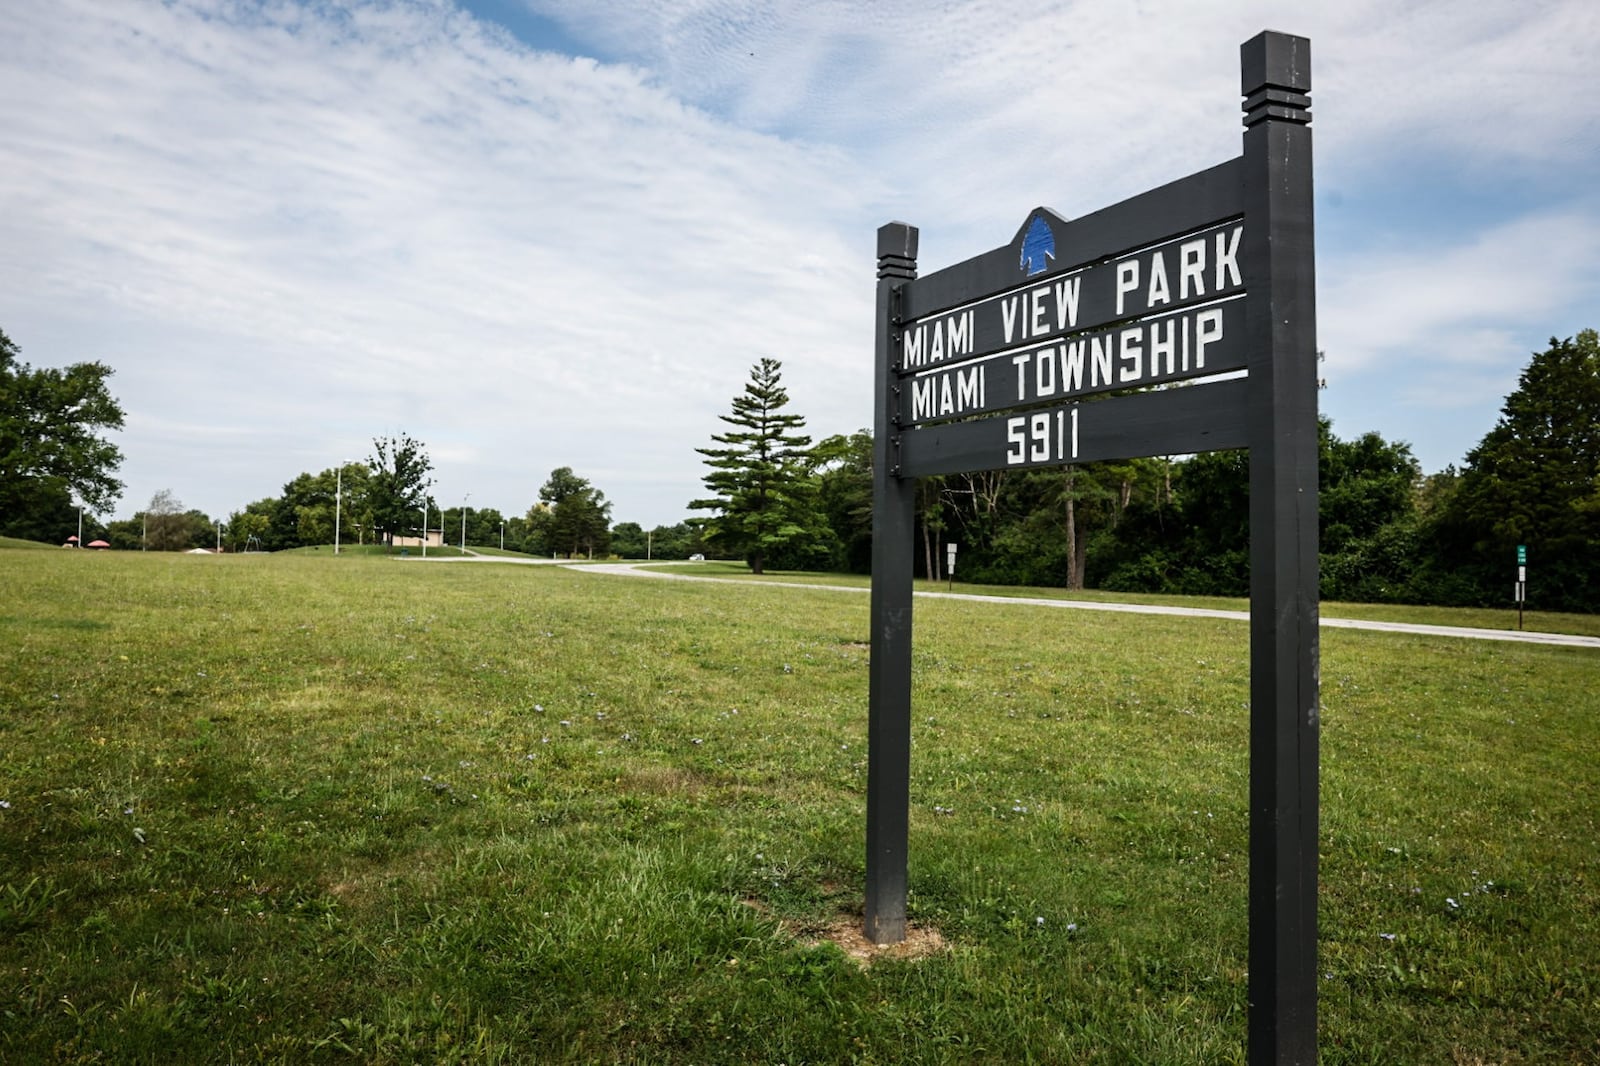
pixel 291 808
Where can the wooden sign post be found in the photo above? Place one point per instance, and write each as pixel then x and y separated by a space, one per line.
pixel 1001 362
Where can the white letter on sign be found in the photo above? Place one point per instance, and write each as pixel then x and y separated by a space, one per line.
pixel 1127 280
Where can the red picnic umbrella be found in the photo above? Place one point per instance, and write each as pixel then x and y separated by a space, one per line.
pixel 98 544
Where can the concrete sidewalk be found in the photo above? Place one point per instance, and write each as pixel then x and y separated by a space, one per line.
pixel 1459 632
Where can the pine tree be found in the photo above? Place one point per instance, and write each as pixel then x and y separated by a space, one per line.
pixel 760 476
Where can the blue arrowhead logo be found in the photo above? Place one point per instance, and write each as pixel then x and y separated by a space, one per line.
pixel 1038 247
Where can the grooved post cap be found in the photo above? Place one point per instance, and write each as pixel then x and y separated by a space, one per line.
pixel 898 239
pixel 1279 60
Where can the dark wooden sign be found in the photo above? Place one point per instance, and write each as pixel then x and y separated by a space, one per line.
pixel 1195 304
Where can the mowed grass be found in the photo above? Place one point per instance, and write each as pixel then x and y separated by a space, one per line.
pixel 300 808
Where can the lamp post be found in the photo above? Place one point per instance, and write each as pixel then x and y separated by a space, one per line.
pixel 424 529
pixel 502 534
pixel 80 525
pixel 464 500
pixel 338 500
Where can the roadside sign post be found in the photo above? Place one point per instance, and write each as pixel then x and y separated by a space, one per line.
pixel 999 362
pixel 1521 590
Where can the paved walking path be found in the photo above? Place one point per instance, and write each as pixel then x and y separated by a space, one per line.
pixel 1462 632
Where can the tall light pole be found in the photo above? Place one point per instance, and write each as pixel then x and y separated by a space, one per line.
pixel 424 528
pixel 80 525
pixel 502 534
pixel 338 499
pixel 464 500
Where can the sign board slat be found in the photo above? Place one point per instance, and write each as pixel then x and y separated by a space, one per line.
pixel 1199 418
pixel 1195 342
pixel 1189 269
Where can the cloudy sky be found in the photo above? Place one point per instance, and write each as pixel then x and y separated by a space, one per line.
pixel 542 233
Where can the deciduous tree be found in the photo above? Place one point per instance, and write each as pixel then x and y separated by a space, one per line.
pixel 51 450
pixel 577 516
pixel 1534 480
pixel 398 484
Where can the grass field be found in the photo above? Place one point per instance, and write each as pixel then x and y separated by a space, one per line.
pixel 305 808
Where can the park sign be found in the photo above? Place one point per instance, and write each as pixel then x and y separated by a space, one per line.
pixel 1180 320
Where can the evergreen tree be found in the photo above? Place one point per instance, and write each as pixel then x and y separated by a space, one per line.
pixel 760 478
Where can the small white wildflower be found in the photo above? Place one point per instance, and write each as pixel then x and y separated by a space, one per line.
pixel 1452 903
pixel 1039 920
pixel 1386 936
pixel 565 722
pixel 5 805
pixel 539 708
pixel 1072 927
pixel 696 740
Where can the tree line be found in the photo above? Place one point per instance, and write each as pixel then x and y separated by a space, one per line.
pixel 776 499
pixel 1388 533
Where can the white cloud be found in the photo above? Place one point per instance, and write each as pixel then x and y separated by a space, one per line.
pixel 1470 304
pixel 294 227
pixel 444 234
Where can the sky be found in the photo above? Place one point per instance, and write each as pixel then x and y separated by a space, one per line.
pixel 544 233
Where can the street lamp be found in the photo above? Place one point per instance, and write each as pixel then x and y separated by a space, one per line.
pixel 338 499
pixel 464 500
pixel 424 529
pixel 502 534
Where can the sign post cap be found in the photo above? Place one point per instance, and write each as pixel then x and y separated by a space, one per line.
pixel 1279 60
